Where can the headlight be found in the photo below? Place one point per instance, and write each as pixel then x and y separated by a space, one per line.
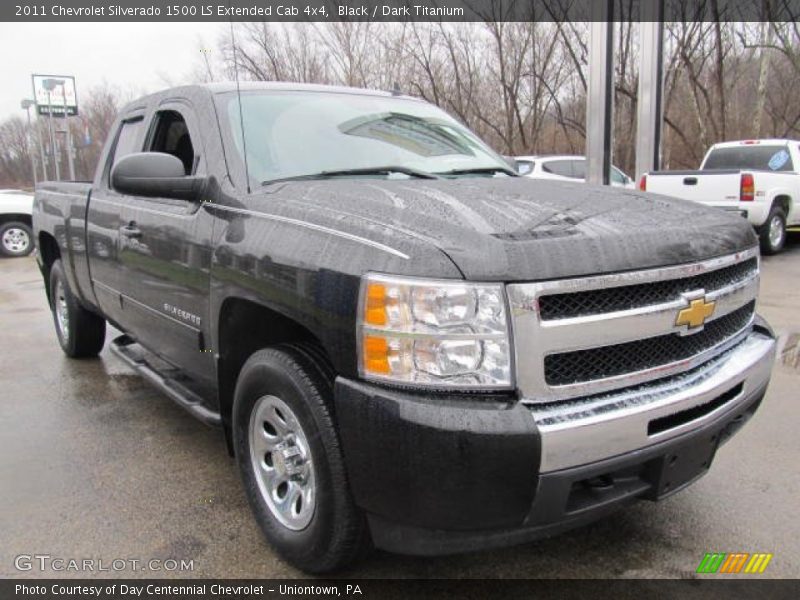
pixel 425 332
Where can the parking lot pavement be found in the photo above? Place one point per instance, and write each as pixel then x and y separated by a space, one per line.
pixel 94 463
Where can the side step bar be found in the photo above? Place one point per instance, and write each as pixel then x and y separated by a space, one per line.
pixel 122 347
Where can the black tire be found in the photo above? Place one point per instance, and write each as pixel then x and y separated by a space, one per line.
pixel 771 243
pixel 84 334
pixel 297 375
pixel 16 239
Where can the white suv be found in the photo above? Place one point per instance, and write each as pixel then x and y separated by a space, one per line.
pixel 565 167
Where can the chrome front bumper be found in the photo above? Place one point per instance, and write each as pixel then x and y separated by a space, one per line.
pixel 585 430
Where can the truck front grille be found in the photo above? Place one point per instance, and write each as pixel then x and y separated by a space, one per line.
pixel 593 302
pixel 579 337
pixel 610 361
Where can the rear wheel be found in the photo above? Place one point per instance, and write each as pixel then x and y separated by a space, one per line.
pixel 773 231
pixel 81 333
pixel 16 239
pixel 290 461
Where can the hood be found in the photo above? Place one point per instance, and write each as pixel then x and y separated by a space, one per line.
pixel 518 229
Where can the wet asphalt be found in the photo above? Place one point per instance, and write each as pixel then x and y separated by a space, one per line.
pixel 95 463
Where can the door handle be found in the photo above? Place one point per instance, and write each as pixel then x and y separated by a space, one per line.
pixel 690 181
pixel 130 230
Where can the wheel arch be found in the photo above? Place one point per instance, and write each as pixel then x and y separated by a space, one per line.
pixel 785 202
pixel 244 327
pixel 49 253
pixel 20 217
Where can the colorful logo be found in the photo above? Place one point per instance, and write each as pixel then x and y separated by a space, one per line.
pixel 734 562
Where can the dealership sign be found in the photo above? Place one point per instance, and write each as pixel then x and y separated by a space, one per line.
pixel 60 99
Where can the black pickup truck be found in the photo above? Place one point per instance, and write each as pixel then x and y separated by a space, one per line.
pixel 404 343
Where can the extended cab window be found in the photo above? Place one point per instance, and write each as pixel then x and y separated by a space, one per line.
pixel 171 136
pixel 751 156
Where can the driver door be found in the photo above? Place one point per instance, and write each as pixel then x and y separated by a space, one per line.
pixel 165 247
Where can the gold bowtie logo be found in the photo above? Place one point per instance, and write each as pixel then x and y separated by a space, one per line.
pixel 696 313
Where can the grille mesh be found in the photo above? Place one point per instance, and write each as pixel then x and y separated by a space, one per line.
pixel 608 361
pixel 593 302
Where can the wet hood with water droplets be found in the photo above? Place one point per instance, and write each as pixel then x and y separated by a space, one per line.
pixel 517 229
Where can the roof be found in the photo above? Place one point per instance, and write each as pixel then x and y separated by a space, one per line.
pixel 223 87
pixel 551 157
pixel 248 86
pixel 765 141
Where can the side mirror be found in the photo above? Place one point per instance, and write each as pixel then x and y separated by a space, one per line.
pixel 155 174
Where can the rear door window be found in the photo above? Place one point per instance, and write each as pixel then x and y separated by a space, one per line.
pixel 579 169
pixel 559 167
pixel 756 157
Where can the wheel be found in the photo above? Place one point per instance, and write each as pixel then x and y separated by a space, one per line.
pixel 81 333
pixel 773 231
pixel 290 461
pixel 16 239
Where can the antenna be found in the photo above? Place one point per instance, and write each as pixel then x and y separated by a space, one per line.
pixel 239 98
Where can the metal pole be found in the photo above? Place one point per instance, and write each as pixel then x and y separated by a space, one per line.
pixel 68 136
pixel 41 146
pixel 600 95
pixel 52 137
pixel 649 117
pixel 28 143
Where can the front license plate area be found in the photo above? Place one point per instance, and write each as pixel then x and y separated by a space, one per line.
pixel 682 465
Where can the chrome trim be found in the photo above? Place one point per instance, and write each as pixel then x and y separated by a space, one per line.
pixel 565 286
pixel 534 338
pixel 586 430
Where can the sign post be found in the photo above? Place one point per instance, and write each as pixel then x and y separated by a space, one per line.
pixel 55 95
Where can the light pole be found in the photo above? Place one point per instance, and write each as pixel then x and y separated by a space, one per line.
pixel 50 85
pixel 26 104
pixel 68 134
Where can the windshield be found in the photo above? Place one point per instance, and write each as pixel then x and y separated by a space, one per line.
pixel 296 134
pixel 761 158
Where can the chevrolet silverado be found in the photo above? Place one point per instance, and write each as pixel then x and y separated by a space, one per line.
pixel 405 344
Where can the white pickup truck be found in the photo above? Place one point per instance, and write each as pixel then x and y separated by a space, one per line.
pixel 16 237
pixel 760 179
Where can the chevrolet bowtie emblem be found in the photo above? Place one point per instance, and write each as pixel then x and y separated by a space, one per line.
pixel 696 313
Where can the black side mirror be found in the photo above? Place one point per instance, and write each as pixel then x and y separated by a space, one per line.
pixel 155 174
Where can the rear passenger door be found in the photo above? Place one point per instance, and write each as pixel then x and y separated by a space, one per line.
pixel 165 247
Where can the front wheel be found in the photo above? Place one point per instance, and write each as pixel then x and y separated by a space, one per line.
pixel 81 333
pixel 290 461
pixel 773 232
pixel 16 239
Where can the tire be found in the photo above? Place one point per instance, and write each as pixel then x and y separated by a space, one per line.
pixel 283 434
pixel 16 239
pixel 772 234
pixel 81 333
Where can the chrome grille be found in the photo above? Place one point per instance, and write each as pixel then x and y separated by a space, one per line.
pixel 609 361
pixel 562 306
pixel 579 337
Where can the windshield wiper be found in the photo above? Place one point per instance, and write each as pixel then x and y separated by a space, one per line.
pixel 481 170
pixel 360 171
